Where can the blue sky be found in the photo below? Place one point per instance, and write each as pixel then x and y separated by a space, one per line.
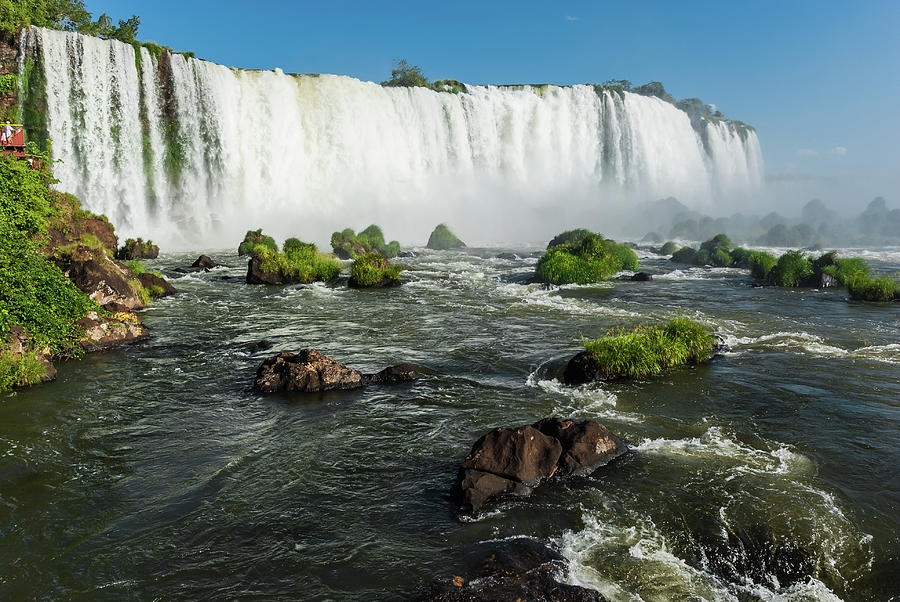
pixel 819 79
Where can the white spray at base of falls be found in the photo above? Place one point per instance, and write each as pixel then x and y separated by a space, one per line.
pixel 192 153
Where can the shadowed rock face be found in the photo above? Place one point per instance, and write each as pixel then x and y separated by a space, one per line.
pixel 517 460
pixel 105 332
pixel 149 280
pixel 311 371
pixel 102 279
pixel 519 570
pixel 204 262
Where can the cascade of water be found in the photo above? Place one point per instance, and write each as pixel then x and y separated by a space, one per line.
pixel 191 152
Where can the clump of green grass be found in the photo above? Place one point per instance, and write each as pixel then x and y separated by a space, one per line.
pixel 569 236
pixel 791 269
pixel 648 350
pixel 301 261
pixel 372 269
pixel 864 288
pixel 20 371
pixel 584 260
pixel 256 237
pixel 845 269
pixel 136 267
pixel 761 263
pixel 442 239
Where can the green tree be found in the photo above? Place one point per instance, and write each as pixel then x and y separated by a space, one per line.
pixel 405 75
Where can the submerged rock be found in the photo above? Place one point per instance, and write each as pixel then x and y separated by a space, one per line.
pixel 204 262
pixel 642 277
pixel 517 460
pixel 310 371
pixel 507 256
pixel 521 569
pixel 407 254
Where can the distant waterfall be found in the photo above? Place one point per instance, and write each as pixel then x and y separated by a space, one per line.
pixel 194 153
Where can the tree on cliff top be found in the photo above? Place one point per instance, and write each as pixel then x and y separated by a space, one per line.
pixel 68 15
pixel 405 75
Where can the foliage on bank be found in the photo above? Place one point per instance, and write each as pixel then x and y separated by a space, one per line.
pixel 348 245
pixel 34 293
pixel 584 259
pixel 404 75
pixel 68 15
pixel 649 350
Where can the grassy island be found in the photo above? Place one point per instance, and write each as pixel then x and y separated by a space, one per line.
pixel 443 239
pixel 298 262
pixel 582 257
pixel 374 270
pixel 649 350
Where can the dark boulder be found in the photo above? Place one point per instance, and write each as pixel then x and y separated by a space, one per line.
pixel 586 445
pixel 204 262
pixel 508 256
pixel 407 254
pixel 521 569
pixel 259 346
pixel 158 287
pixel 100 278
pixel 309 371
pixel 392 375
pixel 256 275
pixel 642 277
pixel 516 460
pixel 582 369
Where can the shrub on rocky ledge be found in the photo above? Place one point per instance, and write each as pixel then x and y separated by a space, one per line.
pixel 584 260
pixel 256 237
pixel 642 352
pixel 347 244
pixel 300 262
pixel 137 249
pixel 373 270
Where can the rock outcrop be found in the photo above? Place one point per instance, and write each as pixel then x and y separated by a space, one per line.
pixel 105 332
pixel 204 262
pixel 310 371
pixel 137 249
pixel 517 460
pixel 158 287
pixel 521 569
pixel 642 277
pixel 21 343
pixel 104 280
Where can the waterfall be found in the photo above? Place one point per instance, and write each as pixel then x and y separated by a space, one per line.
pixel 192 153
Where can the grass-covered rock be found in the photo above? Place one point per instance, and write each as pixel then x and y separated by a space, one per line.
pixel 373 270
pixel 669 248
pixel 585 260
pixel 761 263
pixel 442 239
pixel 568 237
pixel 791 269
pixel 864 288
pixel 347 244
pixel 642 352
pixel 300 262
pixel 253 238
pixel 137 249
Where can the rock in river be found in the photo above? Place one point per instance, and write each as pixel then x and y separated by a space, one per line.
pixel 310 371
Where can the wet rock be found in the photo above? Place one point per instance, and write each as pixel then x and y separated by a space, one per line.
pixel 105 332
pixel 522 569
pixel 407 254
pixel 586 445
pixel 517 460
pixel 392 375
pixel 158 287
pixel 308 371
pixel 507 256
pixel 582 369
pixel 204 262
pixel 757 555
pixel 642 277
pixel 256 275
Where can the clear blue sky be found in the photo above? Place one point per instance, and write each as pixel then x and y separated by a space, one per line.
pixel 819 79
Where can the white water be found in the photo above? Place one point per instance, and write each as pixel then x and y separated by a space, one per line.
pixel 305 155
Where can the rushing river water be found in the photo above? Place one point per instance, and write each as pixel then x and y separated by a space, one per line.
pixel 153 471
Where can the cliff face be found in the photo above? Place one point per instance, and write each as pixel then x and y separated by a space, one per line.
pixel 9 53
